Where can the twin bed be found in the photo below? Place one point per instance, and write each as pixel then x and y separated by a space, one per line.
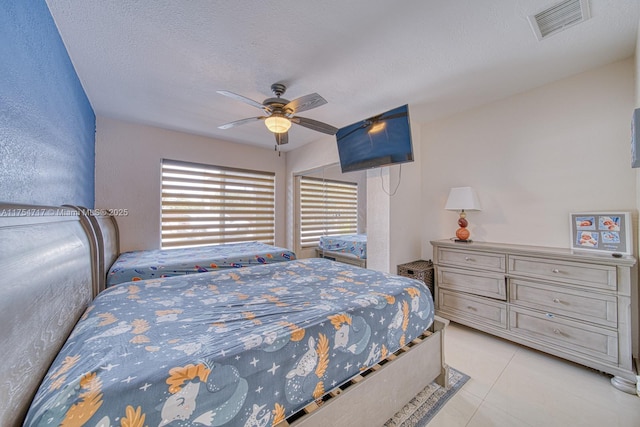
pixel 151 264
pixel 272 344
pixel 115 267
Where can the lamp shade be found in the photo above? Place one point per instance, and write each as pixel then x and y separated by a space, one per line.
pixel 463 198
pixel 277 124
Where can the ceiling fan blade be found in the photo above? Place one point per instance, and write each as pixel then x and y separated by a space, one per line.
pixel 282 138
pixel 305 103
pixel 241 98
pixel 314 125
pixel 240 122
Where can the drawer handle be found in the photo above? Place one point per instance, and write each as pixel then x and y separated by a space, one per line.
pixel 549 315
pixel 555 270
pixel 472 308
pixel 556 331
pixel 556 300
pixel 468 259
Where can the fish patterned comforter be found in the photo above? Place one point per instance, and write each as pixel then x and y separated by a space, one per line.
pixel 352 244
pixel 150 264
pixel 246 347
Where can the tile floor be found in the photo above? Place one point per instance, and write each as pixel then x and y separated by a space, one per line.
pixel 512 386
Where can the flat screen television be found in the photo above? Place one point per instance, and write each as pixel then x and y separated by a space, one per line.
pixel 380 140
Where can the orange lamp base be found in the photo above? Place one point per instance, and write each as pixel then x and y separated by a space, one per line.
pixel 462 234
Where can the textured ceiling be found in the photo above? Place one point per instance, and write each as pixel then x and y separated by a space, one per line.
pixel 160 62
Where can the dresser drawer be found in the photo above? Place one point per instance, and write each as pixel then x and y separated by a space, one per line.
pixel 468 259
pixel 563 301
pixel 492 285
pixel 453 304
pixel 564 334
pixel 591 275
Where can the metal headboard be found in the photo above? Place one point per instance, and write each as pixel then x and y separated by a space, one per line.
pixel 106 229
pixel 104 232
pixel 46 283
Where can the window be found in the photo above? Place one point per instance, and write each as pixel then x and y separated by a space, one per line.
pixel 206 205
pixel 327 207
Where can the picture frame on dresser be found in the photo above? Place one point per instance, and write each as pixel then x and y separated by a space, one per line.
pixel 601 232
pixel 635 138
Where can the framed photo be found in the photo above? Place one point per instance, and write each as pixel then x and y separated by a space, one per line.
pixel 607 232
pixel 635 139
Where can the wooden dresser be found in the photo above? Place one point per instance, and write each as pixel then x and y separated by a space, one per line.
pixel 573 305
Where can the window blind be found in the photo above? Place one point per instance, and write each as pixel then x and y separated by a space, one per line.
pixel 327 207
pixel 205 205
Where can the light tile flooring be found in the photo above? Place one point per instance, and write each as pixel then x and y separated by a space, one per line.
pixel 512 386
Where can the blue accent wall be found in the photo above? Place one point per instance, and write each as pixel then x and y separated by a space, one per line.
pixel 47 125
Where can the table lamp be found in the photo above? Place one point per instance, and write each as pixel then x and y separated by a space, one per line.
pixel 462 199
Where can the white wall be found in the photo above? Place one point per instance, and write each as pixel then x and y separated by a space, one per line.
pixel 533 158
pixel 128 159
pixel 395 219
pixel 407 217
pixel 379 218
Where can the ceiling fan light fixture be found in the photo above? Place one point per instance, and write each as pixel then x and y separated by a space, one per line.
pixel 280 113
pixel 277 124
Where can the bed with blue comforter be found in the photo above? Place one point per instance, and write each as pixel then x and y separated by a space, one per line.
pixel 150 264
pixel 350 244
pixel 241 347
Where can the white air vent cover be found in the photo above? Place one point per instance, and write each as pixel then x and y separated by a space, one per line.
pixel 559 17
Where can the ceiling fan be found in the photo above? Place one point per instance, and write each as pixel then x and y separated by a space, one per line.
pixel 280 113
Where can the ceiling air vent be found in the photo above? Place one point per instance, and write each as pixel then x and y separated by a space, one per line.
pixel 559 17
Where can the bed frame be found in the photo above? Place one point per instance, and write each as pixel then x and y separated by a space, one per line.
pixel 108 242
pixel 341 257
pixel 371 398
pixel 105 236
pixel 47 260
pixel 53 259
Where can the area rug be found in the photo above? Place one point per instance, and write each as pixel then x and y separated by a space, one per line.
pixel 428 402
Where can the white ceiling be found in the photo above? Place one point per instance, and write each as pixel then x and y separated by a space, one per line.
pixel 160 62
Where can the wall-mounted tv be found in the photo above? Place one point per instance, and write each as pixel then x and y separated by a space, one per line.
pixel 380 140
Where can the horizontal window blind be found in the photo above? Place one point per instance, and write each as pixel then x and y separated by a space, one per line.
pixel 207 205
pixel 327 207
